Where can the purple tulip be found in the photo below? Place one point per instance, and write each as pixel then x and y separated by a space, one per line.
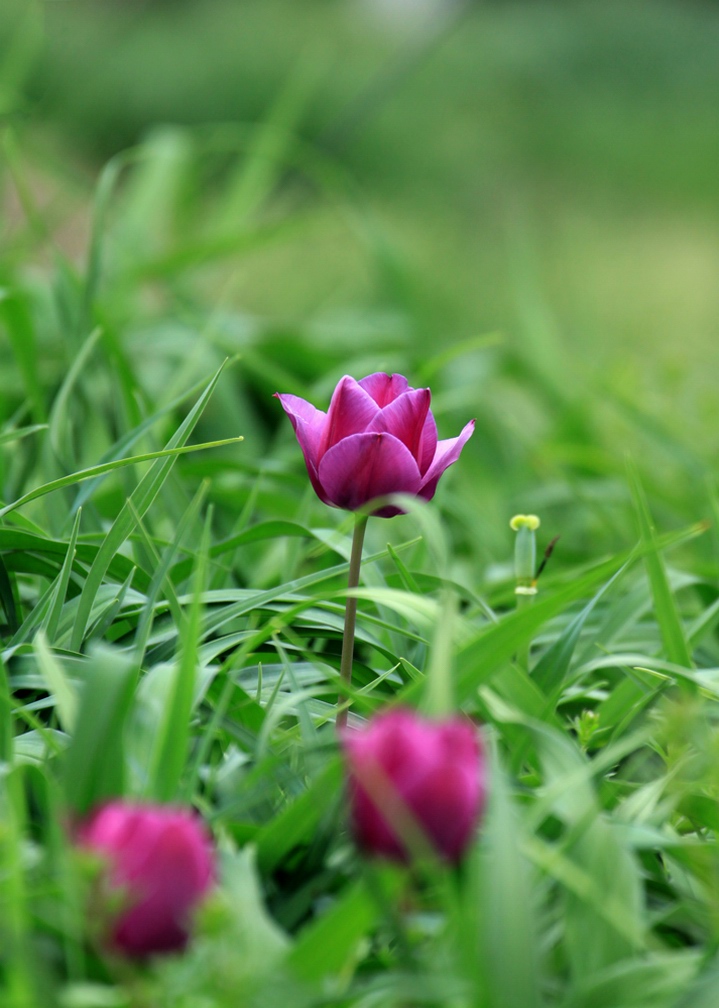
pixel 377 438
pixel 415 783
pixel 160 862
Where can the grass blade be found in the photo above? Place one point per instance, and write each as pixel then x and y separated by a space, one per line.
pixel 94 767
pixel 172 746
pixel 675 643
pixel 140 500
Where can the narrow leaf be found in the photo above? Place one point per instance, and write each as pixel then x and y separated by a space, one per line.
pixel 670 624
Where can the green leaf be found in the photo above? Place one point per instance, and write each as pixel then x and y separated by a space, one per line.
pixel 296 823
pixel 604 911
pixel 7 597
pixel 168 455
pixel 52 620
pixel 6 719
pixel 15 313
pixel 481 658
pixel 326 946
pixel 551 670
pixel 670 625
pixel 704 992
pixel 651 982
pixel 501 910
pixel 58 684
pixel 19 433
pixel 94 767
pixel 140 500
pixel 59 434
pixel 171 750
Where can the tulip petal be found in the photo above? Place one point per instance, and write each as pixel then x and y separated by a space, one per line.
pixel 371 828
pixel 405 419
pixel 459 741
pixel 446 808
pixel 388 760
pixel 172 877
pixel 396 740
pixel 107 828
pixel 351 411
pixel 309 424
pixel 427 444
pixel 159 864
pixel 414 782
pixel 447 452
pixel 384 388
pixel 364 466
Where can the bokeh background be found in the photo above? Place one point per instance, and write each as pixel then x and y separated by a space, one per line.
pixel 517 202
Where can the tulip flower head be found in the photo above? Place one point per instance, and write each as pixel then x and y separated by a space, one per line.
pixel 159 864
pixel 377 438
pixel 413 784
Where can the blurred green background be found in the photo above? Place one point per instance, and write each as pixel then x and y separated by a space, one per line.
pixel 515 202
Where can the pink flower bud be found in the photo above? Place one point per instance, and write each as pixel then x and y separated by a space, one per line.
pixel 377 438
pixel 415 784
pixel 159 864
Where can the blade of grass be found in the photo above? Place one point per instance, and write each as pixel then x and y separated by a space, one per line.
pixel 107 617
pixel 107 467
pixel 7 731
pixel 52 621
pixel 19 433
pixel 162 570
pixel 7 597
pixel 501 909
pixel 58 421
pixel 66 701
pixel 19 984
pixel 141 498
pixel 172 747
pixel 123 444
pixel 327 944
pixel 15 312
pixel 670 624
pixel 552 668
pixel 94 765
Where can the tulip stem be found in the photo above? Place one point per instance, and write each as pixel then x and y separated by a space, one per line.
pixel 348 637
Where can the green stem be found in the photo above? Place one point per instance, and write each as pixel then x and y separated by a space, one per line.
pixel 525 567
pixel 348 637
pixel 525 651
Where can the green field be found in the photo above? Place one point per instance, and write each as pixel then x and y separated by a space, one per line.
pixel 515 204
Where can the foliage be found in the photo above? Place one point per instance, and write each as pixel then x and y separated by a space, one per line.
pixel 172 604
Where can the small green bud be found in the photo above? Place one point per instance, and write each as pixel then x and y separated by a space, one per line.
pixel 524 521
pixel 586 725
pixel 525 552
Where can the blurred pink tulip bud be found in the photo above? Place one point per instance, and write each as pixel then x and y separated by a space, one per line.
pixel 377 438
pixel 160 863
pixel 415 784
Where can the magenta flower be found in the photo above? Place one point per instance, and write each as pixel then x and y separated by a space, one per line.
pixel 377 438
pixel 159 865
pixel 415 782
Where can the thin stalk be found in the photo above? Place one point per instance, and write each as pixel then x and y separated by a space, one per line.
pixel 525 567
pixel 525 651
pixel 348 637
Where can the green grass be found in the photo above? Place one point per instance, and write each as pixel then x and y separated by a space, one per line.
pixel 171 598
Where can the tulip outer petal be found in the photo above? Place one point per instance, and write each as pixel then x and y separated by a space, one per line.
pixel 309 425
pixel 364 466
pixel 448 451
